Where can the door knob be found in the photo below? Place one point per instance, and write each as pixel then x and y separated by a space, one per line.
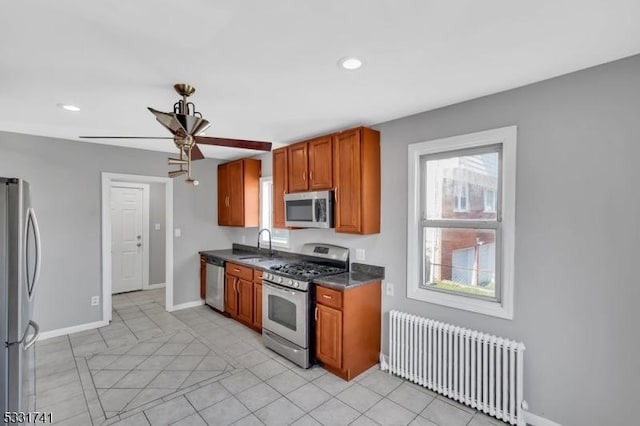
pixel 139 236
pixel 139 244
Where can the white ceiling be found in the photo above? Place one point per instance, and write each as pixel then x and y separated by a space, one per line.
pixel 266 70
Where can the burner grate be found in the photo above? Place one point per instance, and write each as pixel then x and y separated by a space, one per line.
pixel 306 269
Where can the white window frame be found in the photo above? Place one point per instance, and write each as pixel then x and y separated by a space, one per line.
pixel 507 137
pixel 267 203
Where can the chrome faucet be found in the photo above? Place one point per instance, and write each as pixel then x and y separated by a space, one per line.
pixel 268 232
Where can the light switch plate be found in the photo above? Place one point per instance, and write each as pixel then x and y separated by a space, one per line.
pixel 389 289
pixel 157 226
pixel 360 254
pixel 177 232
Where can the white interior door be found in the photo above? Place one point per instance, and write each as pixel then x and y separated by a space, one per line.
pixel 127 238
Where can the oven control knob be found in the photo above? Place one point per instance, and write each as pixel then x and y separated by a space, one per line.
pixel 280 279
pixel 290 282
pixel 296 284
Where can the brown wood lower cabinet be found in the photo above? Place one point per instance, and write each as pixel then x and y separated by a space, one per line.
pixel 348 328
pixel 203 276
pixel 243 295
pixel 257 299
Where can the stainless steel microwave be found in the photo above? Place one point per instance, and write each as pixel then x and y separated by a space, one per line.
pixel 309 209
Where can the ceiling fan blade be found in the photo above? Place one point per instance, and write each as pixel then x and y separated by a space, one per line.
pixel 234 143
pixel 196 154
pixel 125 137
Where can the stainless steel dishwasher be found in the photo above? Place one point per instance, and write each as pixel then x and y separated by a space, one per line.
pixel 215 283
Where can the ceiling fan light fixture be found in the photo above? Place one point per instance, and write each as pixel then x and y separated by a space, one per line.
pixel 350 63
pixel 175 173
pixel 68 107
pixel 194 182
pixel 173 161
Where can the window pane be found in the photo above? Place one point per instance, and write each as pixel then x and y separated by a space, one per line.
pixel 460 260
pixel 278 236
pixel 457 187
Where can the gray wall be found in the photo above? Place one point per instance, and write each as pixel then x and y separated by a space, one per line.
pixel 577 236
pixel 65 184
pixel 157 238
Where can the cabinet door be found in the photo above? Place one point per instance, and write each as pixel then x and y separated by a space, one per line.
pixel 245 301
pixel 231 295
pixel 329 336
pixel 203 277
pixel 257 305
pixel 297 167
pixel 223 195
pixel 236 193
pixel 320 162
pixel 279 186
pixel 347 180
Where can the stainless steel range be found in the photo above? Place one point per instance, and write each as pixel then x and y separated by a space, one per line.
pixel 287 300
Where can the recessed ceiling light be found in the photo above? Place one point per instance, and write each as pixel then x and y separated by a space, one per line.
pixel 68 107
pixel 350 63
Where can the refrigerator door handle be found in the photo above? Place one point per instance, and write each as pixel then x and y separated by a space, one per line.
pixel 38 252
pixel 36 335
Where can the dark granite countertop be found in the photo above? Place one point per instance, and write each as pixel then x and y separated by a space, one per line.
pixel 360 274
pixel 250 256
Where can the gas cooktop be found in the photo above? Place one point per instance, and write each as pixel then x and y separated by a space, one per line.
pixel 306 270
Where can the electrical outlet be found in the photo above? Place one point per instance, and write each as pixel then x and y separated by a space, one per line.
pixel 243 239
pixel 157 226
pixel 177 232
pixel 389 288
pixel 360 254
pixel 95 300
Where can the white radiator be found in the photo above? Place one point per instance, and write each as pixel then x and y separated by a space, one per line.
pixel 477 369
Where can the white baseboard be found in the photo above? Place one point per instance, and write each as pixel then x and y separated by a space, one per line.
pixel 154 286
pixel 70 330
pixel 536 420
pixel 187 305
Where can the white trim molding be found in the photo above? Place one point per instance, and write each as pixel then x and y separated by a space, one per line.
pixel 535 420
pixel 155 286
pixel 107 180
pixel 70 330
pixel 187 305
pixel 507 137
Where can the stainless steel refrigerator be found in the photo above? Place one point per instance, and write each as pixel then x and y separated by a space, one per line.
pixel 20 259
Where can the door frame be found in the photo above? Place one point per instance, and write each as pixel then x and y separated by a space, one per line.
pixel 107 180
pixel 145 225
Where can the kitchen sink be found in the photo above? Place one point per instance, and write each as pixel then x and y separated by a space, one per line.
pixel 254 259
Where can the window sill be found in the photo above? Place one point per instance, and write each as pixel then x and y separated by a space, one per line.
pixel 480 306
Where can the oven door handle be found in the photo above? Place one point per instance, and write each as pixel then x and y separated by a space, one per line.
pixel 280 289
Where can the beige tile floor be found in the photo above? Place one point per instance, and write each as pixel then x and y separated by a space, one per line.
pixel 196 367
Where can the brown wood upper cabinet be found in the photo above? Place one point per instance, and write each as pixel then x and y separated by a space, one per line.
pixel 279 185
pixel 356 177
pixel 239 193
pixel 309 165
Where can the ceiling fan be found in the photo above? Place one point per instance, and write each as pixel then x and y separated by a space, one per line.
pixel 186 124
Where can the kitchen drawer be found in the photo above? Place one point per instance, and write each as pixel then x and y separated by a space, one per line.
pixel 239 271
pixel 329 297
pixel 257 275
